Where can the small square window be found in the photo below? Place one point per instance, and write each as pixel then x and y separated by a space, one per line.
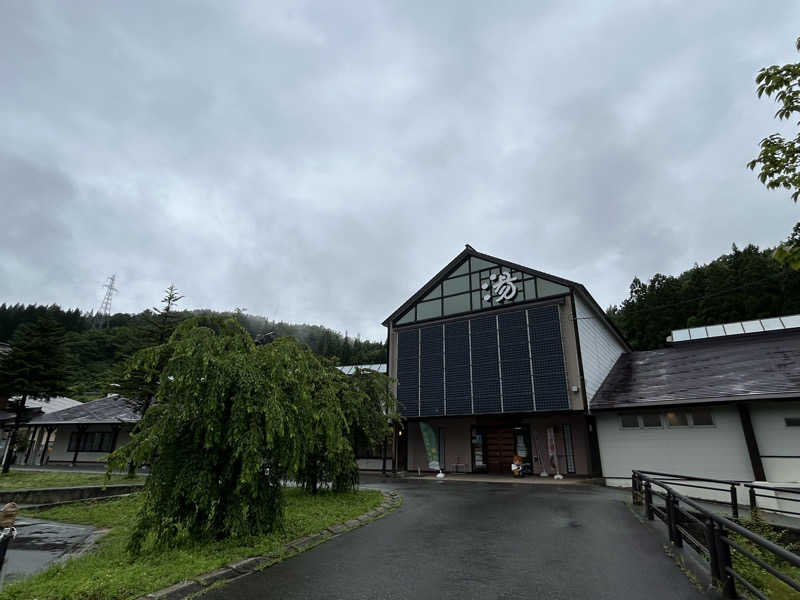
pixel 677 419
pixel 651 420
pixel 702 418
pixel 629 421
pixel 792 421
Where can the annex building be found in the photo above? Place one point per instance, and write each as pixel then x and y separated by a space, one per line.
pixel 721 401
pixel 499 359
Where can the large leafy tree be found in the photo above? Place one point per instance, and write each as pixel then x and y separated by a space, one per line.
pixel 779 159
pixel 231 420
pixel 34 368
pixel 343 410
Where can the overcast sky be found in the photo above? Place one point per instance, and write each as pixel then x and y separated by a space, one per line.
pixel 319 162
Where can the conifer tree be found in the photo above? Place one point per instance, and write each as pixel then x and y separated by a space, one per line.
pixel 34 368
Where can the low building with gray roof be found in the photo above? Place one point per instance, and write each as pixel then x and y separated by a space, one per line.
pixel 721 401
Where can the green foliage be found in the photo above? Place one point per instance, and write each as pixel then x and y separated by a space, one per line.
pixel 36 366
pixel 25 480
pixel 756 574
pixel 231 420
pixel 780 157
pixel 344 410
pixel 110 573
pixel 96 356
pixel 163 321
pixel 744 284
pixel 219 435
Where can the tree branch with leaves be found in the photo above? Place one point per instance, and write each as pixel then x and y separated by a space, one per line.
pixel 779 158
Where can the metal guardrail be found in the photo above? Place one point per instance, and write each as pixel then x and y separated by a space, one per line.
pixel 754 496
pixel 728 486
pixel 711 535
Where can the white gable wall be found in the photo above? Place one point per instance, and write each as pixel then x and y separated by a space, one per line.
pixel 777 442
pixel 600 348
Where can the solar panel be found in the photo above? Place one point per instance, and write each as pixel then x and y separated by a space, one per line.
pixel 735 328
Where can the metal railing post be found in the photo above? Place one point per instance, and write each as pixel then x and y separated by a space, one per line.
pixel 636 489
pixel 726 580
pixel 672 520
pixel 734 503
pixel 711 544
pixel 648 501
pixel 753 502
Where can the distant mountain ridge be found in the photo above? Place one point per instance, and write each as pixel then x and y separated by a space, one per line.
pixel 96 355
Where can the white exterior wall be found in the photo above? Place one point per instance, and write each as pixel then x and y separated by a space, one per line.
pixel 600 348
pixel 60 452
pixel 774 438
pixel 718 452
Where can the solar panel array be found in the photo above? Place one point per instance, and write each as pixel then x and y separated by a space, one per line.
pixel 735 328
pixel 511 362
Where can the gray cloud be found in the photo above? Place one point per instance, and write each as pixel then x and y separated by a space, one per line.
pixel 319 162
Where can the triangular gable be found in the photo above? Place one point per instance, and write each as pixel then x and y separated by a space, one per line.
pixel 472 282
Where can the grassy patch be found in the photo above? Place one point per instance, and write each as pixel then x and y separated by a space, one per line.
pixel 26 480
pixel 109 573
pixel 771 586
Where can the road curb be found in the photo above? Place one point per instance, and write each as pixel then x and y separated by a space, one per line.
pixel 198 585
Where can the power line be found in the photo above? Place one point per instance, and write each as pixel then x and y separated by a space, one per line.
pixel 105 305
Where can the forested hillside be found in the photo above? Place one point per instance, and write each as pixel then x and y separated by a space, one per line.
pixel 95 354
pixel 741 285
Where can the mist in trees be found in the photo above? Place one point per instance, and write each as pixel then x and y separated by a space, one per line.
pixel 95 356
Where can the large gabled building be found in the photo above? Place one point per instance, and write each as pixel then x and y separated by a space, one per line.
pixel 499 359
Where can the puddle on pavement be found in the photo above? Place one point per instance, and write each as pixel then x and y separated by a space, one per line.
pixel 40 543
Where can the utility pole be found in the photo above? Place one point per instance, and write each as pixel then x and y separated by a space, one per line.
pixel 105 306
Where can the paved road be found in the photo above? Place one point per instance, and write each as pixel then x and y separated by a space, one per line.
pixel 487 541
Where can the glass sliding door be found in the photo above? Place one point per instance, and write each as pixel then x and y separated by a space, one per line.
pixel 479 464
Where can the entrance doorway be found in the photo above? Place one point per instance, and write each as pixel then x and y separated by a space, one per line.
pixel 500 449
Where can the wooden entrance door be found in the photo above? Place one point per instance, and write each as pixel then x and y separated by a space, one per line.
pixel 500 449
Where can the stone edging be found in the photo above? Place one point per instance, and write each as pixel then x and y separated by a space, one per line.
pixel 242 568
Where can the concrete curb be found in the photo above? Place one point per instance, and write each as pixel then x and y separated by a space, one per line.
pixel 58 495
pixel 218 577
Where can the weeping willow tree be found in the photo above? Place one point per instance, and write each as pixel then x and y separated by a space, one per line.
pixel 230 422
pixel 361 404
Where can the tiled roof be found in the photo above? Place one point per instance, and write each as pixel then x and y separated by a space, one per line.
pixel 111 409
pixel 53 404
pixel 748 367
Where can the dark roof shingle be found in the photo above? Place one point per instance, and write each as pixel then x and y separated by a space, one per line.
pixel 111 409
pixel 742 368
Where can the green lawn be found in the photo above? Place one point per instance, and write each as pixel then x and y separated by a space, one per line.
pixel 108 573
pixel 25 480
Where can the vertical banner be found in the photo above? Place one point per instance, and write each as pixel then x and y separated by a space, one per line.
pixel 552 451
pixel 431 447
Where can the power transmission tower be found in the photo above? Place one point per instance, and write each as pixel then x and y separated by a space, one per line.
pixel 105 307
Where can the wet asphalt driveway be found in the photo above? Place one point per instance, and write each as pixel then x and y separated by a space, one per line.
pixel 487 541
pixel 39 543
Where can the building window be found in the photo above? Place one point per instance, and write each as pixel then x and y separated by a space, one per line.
pixel 91 441
pixel 629 421
pixel 792 421
pixel 677 419
pixel 702 418
pixel 651 420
